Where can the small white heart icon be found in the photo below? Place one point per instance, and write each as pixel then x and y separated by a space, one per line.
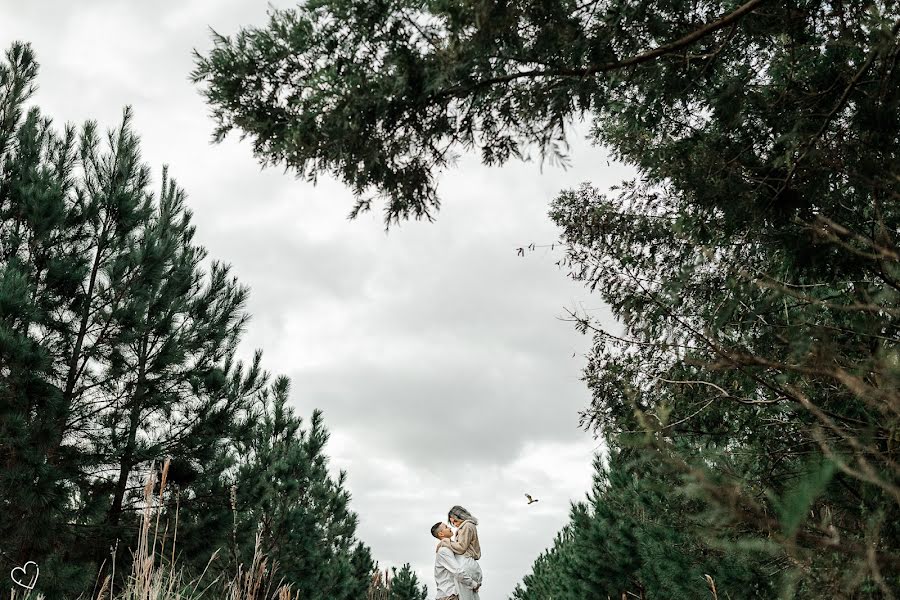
pixel 24 569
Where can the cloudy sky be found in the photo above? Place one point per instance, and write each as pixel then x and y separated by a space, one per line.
pixel 438 355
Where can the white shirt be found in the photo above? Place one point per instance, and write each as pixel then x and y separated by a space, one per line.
pixel 447 572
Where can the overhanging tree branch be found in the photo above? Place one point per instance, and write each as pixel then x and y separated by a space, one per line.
pixel 648 56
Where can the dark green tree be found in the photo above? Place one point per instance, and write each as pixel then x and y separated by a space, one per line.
pixel 40 274
pixel 118 344
pixel 546 579
pixel 382 94
pixel 177 389
pixel 637 535
pixel 287 496
pixel 752 263
pixel 405 585
pixel 202 493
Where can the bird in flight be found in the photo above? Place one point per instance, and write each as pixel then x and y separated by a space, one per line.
pixel 530 499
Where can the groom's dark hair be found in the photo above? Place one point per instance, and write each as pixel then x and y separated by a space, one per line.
pixel 435 527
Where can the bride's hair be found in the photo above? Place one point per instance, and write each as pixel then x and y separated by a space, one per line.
pixel 458 512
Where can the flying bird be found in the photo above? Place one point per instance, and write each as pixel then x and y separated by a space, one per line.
pixel 530 499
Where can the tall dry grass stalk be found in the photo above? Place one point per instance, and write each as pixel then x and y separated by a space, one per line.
pixel 380 586
pixel 254 582
pixel 153 577
pixel 149 579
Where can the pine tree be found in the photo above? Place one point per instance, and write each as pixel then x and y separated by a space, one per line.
pixel 117 355
pixel 362 566
pixel 204 493
pixel 39 277
pixel 634 536
pixel 174 366
pixel 405 585
pixel 546 579
pixel 286 494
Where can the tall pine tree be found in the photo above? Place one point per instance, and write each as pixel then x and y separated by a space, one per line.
pixel 40 278
pixel 286 494
pixel 118 344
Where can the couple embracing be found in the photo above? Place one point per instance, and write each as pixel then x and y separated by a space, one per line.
pixel 456 570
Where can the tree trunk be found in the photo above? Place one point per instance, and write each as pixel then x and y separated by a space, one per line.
pixel 126 463
pixel 74 359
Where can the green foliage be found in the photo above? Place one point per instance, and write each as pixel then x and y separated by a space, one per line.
pixel 752 264
pixel 622 540
pixel 405 585
pixel 117 356
pixel 286 495
pixel 800 497
pixel 382 94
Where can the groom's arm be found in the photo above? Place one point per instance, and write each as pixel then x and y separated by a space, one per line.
pixel 446 559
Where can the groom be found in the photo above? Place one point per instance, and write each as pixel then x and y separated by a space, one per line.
pixel 453 583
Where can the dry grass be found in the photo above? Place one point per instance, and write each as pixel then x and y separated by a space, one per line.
pixel 380 587
pixel 155 576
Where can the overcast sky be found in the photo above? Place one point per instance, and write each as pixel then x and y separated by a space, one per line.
pixel 438 355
